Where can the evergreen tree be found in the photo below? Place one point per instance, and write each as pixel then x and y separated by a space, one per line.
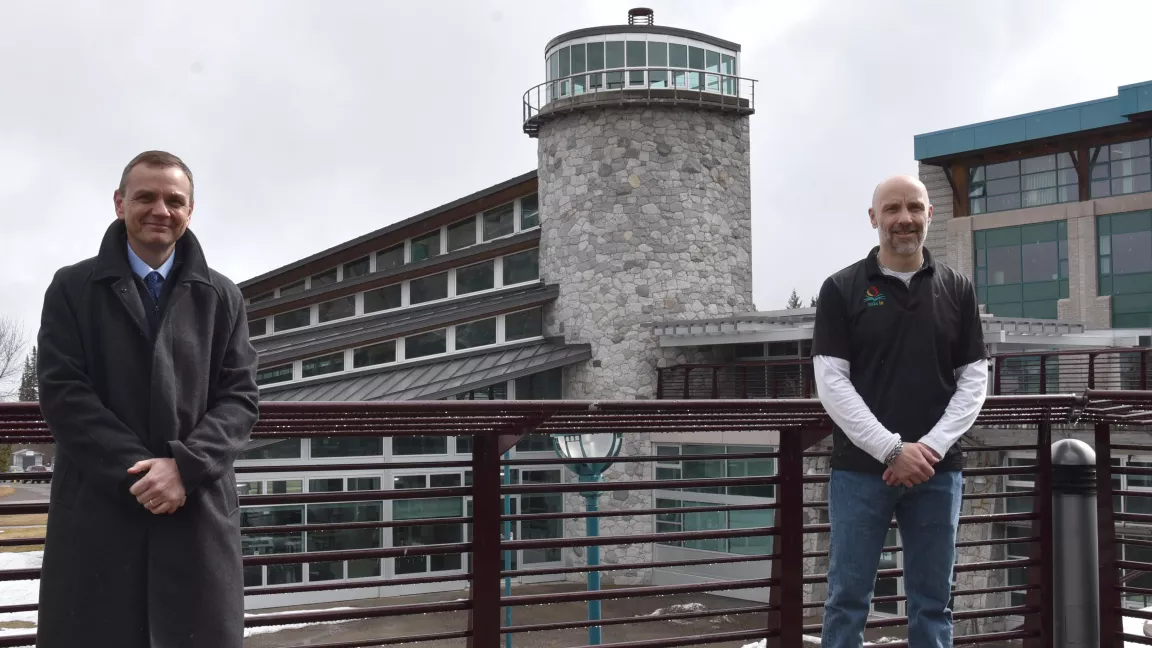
pixel 813 303
pixel 794 301
pixel 30 381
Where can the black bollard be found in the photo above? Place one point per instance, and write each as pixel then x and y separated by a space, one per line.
pixel 1076 561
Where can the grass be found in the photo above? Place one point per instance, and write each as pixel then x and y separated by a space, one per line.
pixel 22 526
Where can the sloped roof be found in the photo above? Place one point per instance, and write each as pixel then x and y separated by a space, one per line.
pixel 438 378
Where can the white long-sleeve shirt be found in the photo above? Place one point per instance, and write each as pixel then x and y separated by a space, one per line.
pixel 848 410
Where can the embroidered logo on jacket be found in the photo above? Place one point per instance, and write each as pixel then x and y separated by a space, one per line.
pixel 873 297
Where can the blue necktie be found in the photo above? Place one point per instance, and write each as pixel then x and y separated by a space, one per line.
pixel 154 281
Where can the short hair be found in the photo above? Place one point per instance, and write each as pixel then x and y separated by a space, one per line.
pixel 157 160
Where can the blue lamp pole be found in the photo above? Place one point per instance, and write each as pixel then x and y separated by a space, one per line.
pixel 592 455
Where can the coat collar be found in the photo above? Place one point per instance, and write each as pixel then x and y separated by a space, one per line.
pixel 112 260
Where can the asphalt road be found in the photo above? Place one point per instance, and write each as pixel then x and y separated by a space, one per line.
pixel 28 492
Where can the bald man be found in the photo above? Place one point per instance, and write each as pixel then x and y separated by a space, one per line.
pixel 901 367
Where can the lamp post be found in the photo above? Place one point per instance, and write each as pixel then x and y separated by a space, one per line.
pixel 592 454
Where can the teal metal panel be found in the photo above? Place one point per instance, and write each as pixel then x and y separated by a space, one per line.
pixel 1099 113
pixel 1051 122
pixel 944 143
pixel 997 133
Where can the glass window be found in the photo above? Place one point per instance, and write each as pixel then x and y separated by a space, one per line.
pixel 323 365
pixel 1040 261
pixel 426 344
pixel 424 534
pixel 658 57
pixel 473 278
pixel 565 62
pixel 408 482
pixel 257 327
pixel 285 486
pixel 529 212
pixel 523 324
pixel 498 222
pixel 292 289
pixel 429 288
pixel 521 267
pixel 595 56
pixel 259 449
pixel 426 247
pixel 419 445
pixel 274 375
pixel 326 485
pixel 712 63
pixel 614 54
pixel 357 268
pixel 1131 253
pixel 337 309
pixel 376 354
pixel 363 483
pixel 268 296
pixel 462 234
pixel 695 58
pixel 1031 182
pixel 292 319
pixel 382 299
pixel 475 334
pixel 1004 265
pixel 331 447
pixel 678 58
pixel 393 257
pixel 324 279
pixel 544 385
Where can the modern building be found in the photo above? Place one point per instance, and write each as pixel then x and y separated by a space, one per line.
pixel 620 268
pixel 543 286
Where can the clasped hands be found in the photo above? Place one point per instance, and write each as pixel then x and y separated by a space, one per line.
pixel 161 490
pixel 912 466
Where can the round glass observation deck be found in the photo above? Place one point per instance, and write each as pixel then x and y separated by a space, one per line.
pixel 637 64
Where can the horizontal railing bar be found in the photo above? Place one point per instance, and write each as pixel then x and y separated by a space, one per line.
pixel 357 554
pixel 1130 564
pixel 352 496
pixel 710 639
pixel 242 468
pixel 624 566
pixel 1126 638
pixel 600 541
pixel 963 543
pixel 325 586
pixel 357 613
pixel 391 641
pixel 580 487
pixel 634 592
pixel 343 526
pixel 570 625
pixel 638 512
pixel 990 565
pixel 1132 447
pixel 968 592
pixel 964 519
pixel 645 459
pixel 1136 614
pixel 1146 591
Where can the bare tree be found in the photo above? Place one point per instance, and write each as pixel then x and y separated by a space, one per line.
pixel 12 342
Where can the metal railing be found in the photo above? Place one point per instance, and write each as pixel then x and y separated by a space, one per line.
pixel 637 85
pixel 752 519
pixel 1033 372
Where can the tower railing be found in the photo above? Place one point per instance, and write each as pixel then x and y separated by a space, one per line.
pixel 643 86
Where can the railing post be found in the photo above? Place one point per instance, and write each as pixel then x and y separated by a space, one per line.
pixel 715 382
pixel 1041 575
pixel 1143 371
pixel 1110 623
pixel 744 375
pixel 788 567
pixel 996 361
pixel 1077 577
pixel 1092 370
pixel 484 617
pixel 687 375
pixel 1043 374
pixel 660 383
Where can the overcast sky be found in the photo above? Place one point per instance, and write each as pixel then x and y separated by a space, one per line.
pixel 309 123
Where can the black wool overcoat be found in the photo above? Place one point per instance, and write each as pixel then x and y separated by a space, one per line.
pixel 116 389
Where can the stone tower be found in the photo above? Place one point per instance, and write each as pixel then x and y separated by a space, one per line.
pixel 645 216
pixel 644 192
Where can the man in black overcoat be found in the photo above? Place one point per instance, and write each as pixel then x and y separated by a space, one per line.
pixel 147 383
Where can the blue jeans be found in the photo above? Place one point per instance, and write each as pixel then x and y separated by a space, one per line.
pixel 861 506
